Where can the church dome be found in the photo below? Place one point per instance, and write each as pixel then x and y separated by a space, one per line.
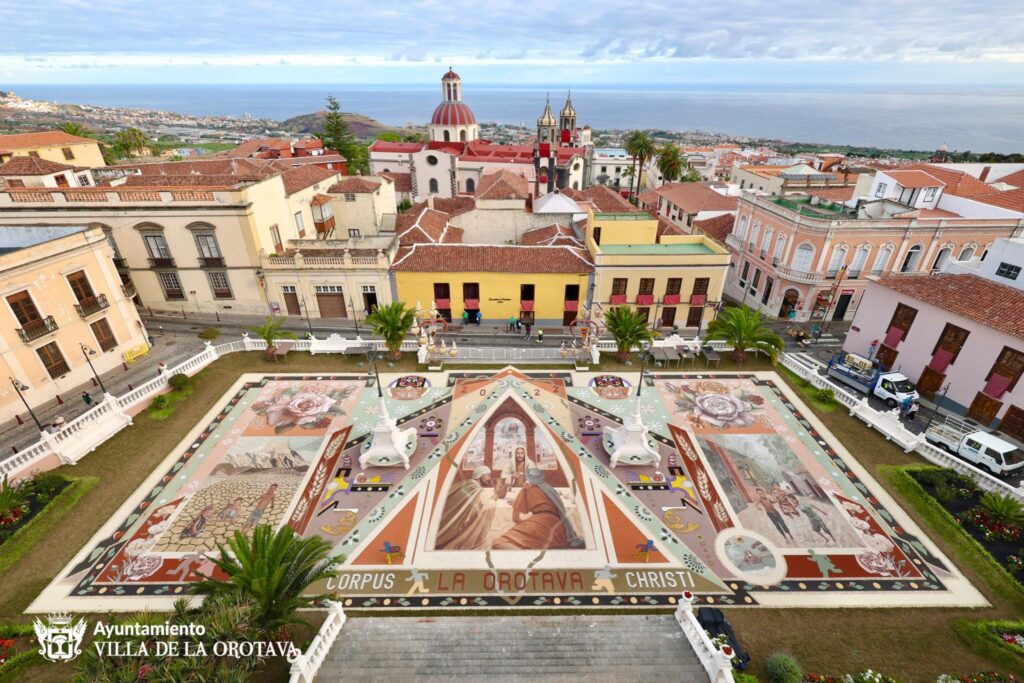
pixel 453 114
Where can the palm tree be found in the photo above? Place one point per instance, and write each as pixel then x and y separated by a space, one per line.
pixel 670 163
pixel 745 329
pixel 271 330
pixel 392 322
pixel 76 129
pixel 131 141
pixel 274 569
pixel 1002 509
pixel 628 328
pixel 641 148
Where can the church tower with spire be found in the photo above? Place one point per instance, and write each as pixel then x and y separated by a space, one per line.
pixel 453 120
pixel 567 121
pixel 546 126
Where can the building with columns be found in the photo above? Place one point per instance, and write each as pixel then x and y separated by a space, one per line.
pixel 806 258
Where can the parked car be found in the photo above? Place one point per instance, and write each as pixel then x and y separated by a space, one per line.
pixel 977 446
pixel 860 373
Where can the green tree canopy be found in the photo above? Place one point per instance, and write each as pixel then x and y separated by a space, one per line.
pixel 392 322
pixel 746 330
pixel 338 136
pixel 640 146
pixel 628 328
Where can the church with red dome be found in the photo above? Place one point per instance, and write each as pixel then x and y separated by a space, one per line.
pixel 453 120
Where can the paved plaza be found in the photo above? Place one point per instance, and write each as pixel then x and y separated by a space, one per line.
pixel 510 500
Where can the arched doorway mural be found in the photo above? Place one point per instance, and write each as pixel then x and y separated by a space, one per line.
pixel 790 301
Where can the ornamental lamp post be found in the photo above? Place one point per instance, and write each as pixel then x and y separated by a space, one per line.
pixel 371 356
pixel 355 316
pixel 86 351
pixel 20 387
pixel 938 404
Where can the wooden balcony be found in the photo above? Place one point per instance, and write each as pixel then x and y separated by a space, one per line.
pixel 211 261
pixel 324 226
pixel 93 304
pixel 161 263
pixel 58 369
pixel 37 328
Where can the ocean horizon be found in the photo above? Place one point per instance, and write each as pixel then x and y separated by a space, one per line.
pixel 977 118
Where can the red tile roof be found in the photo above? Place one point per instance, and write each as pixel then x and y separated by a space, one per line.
pixel 1015 179
pixel 552 235
pixel 478 258
pixel 200 167
pixel 957 183
pixel 604 199
pixel 421 224
pixel 32 166
pixel 251 148
pixel 1008 199
pixel 833 194
pixel 914 178
pixel 667 227
pixel 503 184
pixel 453 114
pixel 355 185
pixel 402 181
pixel 301 177
pixel 404 147
pixel 136 181
pixel 453 206
pixel 46 138
pixel 716 228
pixel 987 303
pixel 696 197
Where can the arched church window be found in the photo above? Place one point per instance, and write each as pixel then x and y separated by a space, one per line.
pixel 447 136
pixel 433 186
pixel 470 185
pixel 462 136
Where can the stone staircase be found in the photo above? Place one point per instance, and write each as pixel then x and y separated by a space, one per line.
pixel 585 649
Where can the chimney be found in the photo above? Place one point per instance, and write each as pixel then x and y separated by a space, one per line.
pixel 984 173
pixel 430 201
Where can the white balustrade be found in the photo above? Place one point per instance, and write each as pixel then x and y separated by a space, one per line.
pixel 716 662
pixel 306 664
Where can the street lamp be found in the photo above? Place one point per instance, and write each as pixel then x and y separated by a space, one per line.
pixel 305 309
pixel 938 404
pixel 644 355
pixel 355 317
pixel 371 356
pixel 20 387
pixel 86 351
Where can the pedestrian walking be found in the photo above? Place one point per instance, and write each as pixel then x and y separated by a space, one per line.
pixel 528 327
pixel 87 398
pixel 540 335
pixel 519 324
pixel 465 318
pixel 479 318
pixel 511 323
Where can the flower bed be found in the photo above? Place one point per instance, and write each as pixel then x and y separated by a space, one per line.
pixel 39 491
pixel 18 647
pixel 959 496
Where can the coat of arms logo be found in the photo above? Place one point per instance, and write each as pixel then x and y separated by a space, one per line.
pixel 60 637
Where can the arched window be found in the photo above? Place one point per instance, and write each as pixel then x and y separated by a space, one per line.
pixel 754 231
pixel 984 254
pixel 741 230
pixel 447 136
pixel 575 184
pixel 462 136
pixel 967 254
pixel 767 240
pixel 881 260
pixel 433 186
pixel 837 260
pixel 911 260
pixel 470 185
pixel 803 258
pixel 859 259
pixel 941 259
pixel 780 245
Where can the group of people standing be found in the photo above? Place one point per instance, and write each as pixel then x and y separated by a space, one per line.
pixel 783 507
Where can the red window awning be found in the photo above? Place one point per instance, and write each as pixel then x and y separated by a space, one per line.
pixel 644 299
pixel 698 299
pixel 671 299
pixel 525 305
pixel 617 299
pixel 472 304
pixel 572 305
pixel 443 304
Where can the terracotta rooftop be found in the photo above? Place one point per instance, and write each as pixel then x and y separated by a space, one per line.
pixel 301 177
pixel 492 259
pixel 250 148
pixel 32 166
pixel 402 181
pixel 915 178
pixel 204 181
pixel 198 167
pixel 667 227
pixel 453 206
pixel 46 138
pixel 552 235
pixel 1007 199
pixel 421 224
pixel 716 228
pixel 1015 179
pixel 355 185
pixel 833 194
pixel 503 184
pixel 957 183
pixel 696 197
pixel 985 302
pixel 604 199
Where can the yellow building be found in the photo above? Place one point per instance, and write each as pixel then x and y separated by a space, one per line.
pixel 59 291
pixel 676 280
pixel 540 285
pixel 52 145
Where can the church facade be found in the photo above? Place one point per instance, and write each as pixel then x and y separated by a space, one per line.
pixel 455 159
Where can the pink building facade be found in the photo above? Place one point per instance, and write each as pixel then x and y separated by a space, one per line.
pixel 958 333
pixel 805 259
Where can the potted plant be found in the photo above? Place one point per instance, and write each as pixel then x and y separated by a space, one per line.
pixel 745 329
pixel 392 323
pixel 628 328
pixel 270 331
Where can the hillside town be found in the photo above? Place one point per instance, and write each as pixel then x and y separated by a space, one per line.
pixel 881 286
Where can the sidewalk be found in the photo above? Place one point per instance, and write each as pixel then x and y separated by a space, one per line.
pixel 172 347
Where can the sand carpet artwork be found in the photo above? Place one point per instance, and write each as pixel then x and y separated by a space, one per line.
pixel 510 500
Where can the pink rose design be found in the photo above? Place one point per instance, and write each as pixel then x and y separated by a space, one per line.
pixel 722 410
pixel 302 408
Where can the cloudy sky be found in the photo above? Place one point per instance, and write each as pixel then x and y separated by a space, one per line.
pixel 593 42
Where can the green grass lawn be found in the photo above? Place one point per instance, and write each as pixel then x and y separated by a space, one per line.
pixel 910 644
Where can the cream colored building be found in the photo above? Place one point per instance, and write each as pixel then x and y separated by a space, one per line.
pixel 187 243
pixel 60 291
pixel 52 145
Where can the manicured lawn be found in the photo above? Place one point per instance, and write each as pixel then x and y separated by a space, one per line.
pixel 910 644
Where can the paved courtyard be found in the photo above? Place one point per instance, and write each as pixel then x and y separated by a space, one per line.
pixel 510 500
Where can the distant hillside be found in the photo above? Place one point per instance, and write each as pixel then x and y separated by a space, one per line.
pixel 361 126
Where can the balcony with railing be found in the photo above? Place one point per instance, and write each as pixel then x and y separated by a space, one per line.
pixel 58 369
pixel 211 261
pixel 107 343
pixel 129 290
pixel 161 263
pixel 93 304
pixel 120 262
pixel 324 226
pixel 35 329
pixel 807 277
pixel 734 242
pixel 174 294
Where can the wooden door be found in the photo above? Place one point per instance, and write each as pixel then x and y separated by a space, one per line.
pixel 694 315
pixel 984 409
pixel 568 318
pixel 291 303
pixel 331 305
pixel 930 382
pixel 1012 423
pixel 886 356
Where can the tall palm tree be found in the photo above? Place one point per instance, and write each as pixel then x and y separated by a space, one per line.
pixel 745 329
pixel 76 129
pixel 392 322
pixel 274 569
pixel 639 146
pixel 131 141
pixel 270 331
pixel 628 328
pixel 670 163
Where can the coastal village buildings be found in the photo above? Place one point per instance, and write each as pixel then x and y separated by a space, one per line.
pixel 36 172
pixel 798 178
pixel 63 301
pixel 806 258
pixel 305 152
pixel 958 333
pixel 52 145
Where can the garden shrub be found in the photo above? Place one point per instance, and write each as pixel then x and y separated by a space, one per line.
pixel 741 677
pixel 944 493
pixel 160 402
pixel 825 395
pixel 210 333
pixel 782 668
pixel 179 382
